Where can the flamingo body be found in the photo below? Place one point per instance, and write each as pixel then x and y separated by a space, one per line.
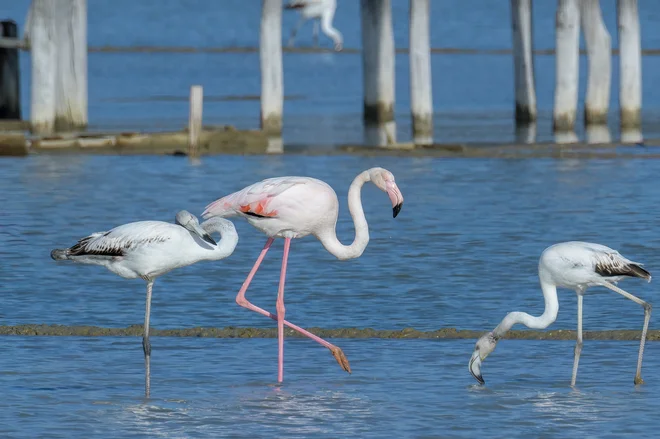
pixel 295 207
pixel 144 249
pixel 282 207
pixel 574 265
pixel 578 265
pixel 148 249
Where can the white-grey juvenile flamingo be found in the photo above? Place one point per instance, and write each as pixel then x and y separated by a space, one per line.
pixel 574 265
pixel 294 207
pixel 317 10
pixel 148 249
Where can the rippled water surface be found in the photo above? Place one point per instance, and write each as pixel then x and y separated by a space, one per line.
pixel 463 252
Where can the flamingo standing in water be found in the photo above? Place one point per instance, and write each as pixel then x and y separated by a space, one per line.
pixel 577 266
pixel 318 10
pixel 294 207
pixel 148 249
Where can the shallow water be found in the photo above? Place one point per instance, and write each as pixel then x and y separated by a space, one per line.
pixel 224 388
pixel 463 252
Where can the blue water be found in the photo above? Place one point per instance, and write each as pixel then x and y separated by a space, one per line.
pixel 205 388
pixel 463 252
pixel 472 94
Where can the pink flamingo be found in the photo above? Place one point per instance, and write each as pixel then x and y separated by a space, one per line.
pixel 294 207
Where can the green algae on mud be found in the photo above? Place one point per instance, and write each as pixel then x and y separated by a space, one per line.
pixel 233 332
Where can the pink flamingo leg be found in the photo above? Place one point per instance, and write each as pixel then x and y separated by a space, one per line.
pixel 242 301
pixel 281 310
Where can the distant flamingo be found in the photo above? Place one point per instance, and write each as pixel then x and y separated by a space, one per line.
pixel 148 249
pixel 294 207
pixel 323 10
pixel 574 265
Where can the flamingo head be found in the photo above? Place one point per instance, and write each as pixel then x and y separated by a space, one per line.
pixel 190 222
pixel 384 180
pixel 484 346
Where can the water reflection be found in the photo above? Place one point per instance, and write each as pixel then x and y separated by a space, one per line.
pixel 380 134
pixel 566 137
pixel 631 135
pixel 526 133
pixel 598 134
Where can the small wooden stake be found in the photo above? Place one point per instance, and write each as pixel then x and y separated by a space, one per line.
pixel 195 119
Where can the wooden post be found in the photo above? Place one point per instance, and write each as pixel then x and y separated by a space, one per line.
pixel 599 51
pixel 523 61
pixel 566 64
pixel 598 133
pixel 378 65
pixel 525 133
pixel 71 94
pixel 43 44
pixel 630 58
pixel 195 119
pixel 270 50
pixel 10 88
pixel 421 96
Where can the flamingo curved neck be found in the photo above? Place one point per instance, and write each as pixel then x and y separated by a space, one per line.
pixel 543 321
pixel 228 237
pixel 329 237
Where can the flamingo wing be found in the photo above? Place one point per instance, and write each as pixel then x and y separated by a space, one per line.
pixel 254 200
pixel 613 264
pixel 121 239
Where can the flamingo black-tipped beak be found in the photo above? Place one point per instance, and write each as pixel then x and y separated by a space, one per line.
pixel 475 367
pixel 208 238
pixel 396 209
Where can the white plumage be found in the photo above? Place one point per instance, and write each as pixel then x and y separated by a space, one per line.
pixel 148 249
pixel 575 265
pixel 317 10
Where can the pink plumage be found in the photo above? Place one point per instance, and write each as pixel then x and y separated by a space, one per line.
pixel 294 207
pixel 252 199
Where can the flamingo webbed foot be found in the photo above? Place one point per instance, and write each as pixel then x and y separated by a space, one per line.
pixel 341 358
pixel 638 380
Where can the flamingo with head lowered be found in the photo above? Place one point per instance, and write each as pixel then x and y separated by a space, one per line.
pixel 148 249
pixel 575 265
pixel 294 207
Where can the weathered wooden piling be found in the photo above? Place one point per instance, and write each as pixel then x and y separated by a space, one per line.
pixel 10 87
pixel 598 133
pixel 43 47
pixel 567 22
pixel 630 59
pixel 599 52
pixel 523 61
pixel 270 50
pixel 195 119
pixel 378 66
pixel 421 96
pixel 71 82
